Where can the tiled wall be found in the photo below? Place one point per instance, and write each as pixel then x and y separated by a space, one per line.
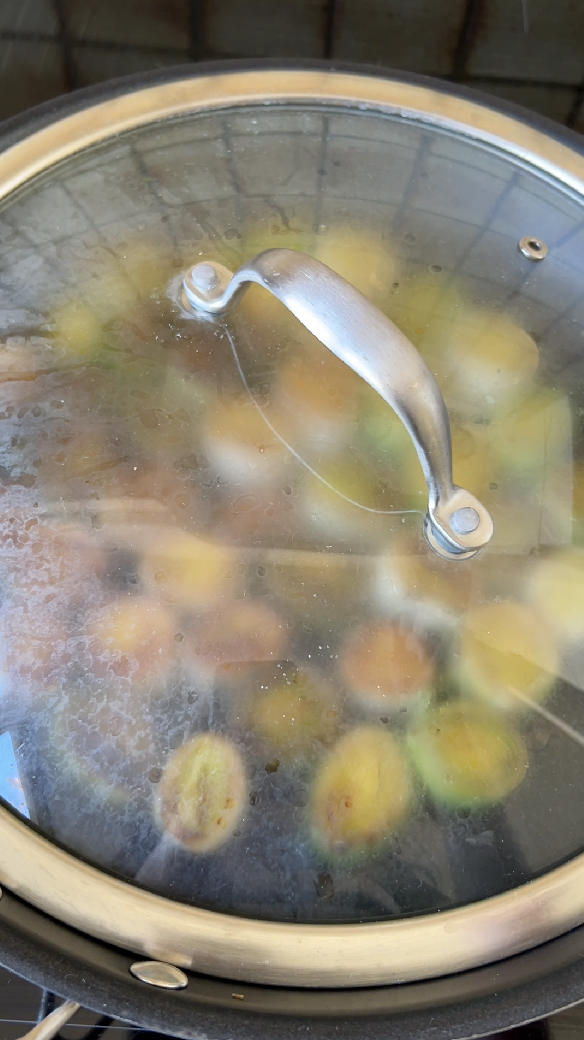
pixel 529 51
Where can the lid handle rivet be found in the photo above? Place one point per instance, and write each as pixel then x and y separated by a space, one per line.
pixel 202 277
pixel 159 974
pixel 532 247
pixel 465 520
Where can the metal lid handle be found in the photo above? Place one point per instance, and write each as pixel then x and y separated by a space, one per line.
pixel 457 525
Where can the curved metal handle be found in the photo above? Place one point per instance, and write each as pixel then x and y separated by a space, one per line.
pixel 457 525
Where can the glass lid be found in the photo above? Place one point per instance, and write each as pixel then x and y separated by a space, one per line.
pixel 233 672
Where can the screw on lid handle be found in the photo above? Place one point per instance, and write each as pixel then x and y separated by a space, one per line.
pixel 457 525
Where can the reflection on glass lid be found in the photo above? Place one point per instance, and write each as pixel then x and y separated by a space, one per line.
pixel 231 668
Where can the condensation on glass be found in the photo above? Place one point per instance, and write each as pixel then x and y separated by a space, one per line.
pixel 231 669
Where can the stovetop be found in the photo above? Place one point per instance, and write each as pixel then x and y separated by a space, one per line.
pixel 21 1003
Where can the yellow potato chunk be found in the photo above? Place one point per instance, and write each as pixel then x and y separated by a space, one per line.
pixel 578 499
pixel 490 361
pixel 361 257
pixel 243 633
pixel 107 294
pixel 132 637
pixel 534 437
pixel 556 590
pixel 78 330
pixel 318 395
pixel 426 308
pixel 508 655
pixel 411 578
pixel 345 503
pixel 240 444
pixel 362 791
pixel 189 571
pixel 147 264
pixel 319 584
pixel 293 711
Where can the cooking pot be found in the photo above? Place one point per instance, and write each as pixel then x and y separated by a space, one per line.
pixel 292 523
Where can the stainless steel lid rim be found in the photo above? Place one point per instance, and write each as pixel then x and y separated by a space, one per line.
pixel 14 128
pixel 77 130
pixel 355 955
pixel 272 953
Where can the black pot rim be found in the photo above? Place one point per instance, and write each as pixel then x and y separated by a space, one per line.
pixel 494 998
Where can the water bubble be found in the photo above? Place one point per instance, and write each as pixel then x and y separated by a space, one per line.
pixel 245 503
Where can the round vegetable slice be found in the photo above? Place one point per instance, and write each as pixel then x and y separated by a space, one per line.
pixel 188 571
pixel 491 362
pixel 245 632
pixel 202 793
pixel 131 637
pixel 240 444
pixel 294 711
pixel 410 580
pixel 345 502
pixel 467 756
pixel 319 398
pixel 362 791
pixel 386 666
pixel 556 589
pixel 363 257
pixel 508 655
